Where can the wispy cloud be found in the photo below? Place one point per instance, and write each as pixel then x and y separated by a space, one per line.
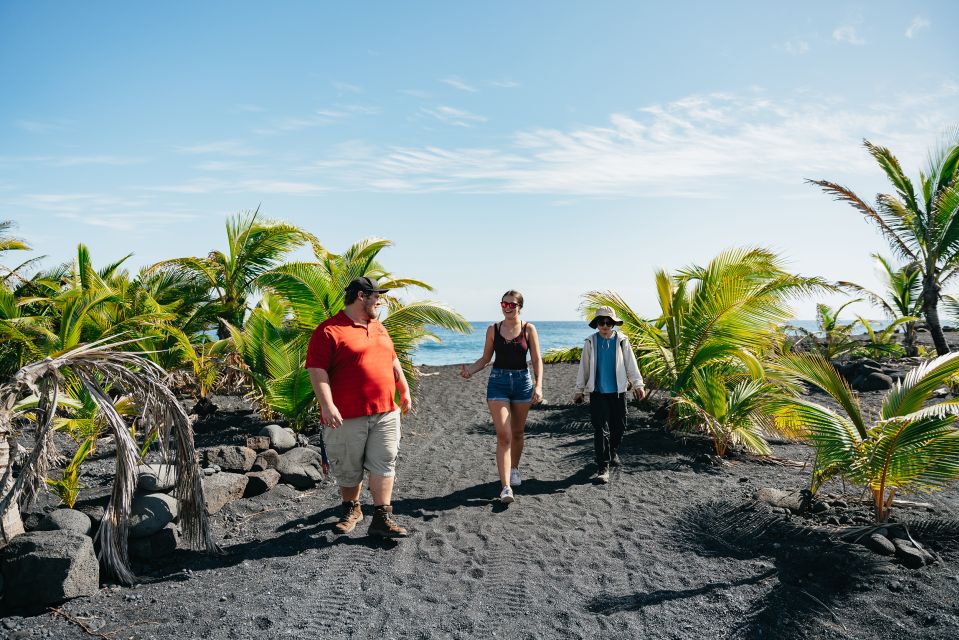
pixel 701 145
pixel 417 93
pixel 248 108
pixel 346 87
pixel 318 118
pixel 453 116
pixel 796 47
pixel 504 84
pixel 253 186
pixel 138 213
pixel 43 126
pixel 459 83
pixel 74 161
pixel 918 23
pixel 848 33
pixel 221 147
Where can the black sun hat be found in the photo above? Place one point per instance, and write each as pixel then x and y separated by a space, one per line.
pixel 364 284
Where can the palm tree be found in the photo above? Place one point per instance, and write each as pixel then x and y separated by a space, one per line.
pixel 908 446
pixel 299 296
pixel 836 336
pixel 96 366
pixel 717 323
pixel 902 297
pixel 10 243
pixel 921 228
pixel 254 247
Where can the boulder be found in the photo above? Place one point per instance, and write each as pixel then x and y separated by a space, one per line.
pixel 230 458
pixel 258 443
pixel 282 439
pixel 42 568
pixel 301 467
pixel 795 501
pixel 156 477
pixel 159 545
pixel 880 544
pixel 66 520
pixel 261 482
pixel 910 555
pixel 151 512
pixel 871 381
pixel 266 460
pixel 221 489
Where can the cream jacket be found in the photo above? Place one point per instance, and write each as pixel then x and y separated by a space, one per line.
pixel 627 371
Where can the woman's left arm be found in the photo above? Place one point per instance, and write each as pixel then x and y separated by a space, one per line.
pixel 537 364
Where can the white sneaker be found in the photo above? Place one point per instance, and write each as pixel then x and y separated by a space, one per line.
pixel 514 479
pixel 506 495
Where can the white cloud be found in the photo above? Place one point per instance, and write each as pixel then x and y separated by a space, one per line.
pixel 504 84
pixel 225 147
pixel 848 34
pixel 267 186
pixel 43 126
pixel 459 83
pixel 346 87
pixel 318 118
pixel 416 93
pixel 796 47
pixel 918 23
pixel 453 116
pixel 701 145
pixel 73 161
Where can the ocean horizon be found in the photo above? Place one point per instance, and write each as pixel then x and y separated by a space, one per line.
pixel 457 348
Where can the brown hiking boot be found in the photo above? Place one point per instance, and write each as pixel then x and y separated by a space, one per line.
pixel 383 525
pixel 352 514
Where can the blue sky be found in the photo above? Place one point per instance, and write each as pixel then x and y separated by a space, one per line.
pixel 552 147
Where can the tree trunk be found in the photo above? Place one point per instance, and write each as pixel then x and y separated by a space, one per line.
pixel 10 524
pixel 930 303
pixel 909 340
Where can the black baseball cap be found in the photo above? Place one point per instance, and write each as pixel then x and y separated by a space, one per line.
pixel 366 285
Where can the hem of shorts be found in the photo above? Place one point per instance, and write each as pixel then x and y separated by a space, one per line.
pixel 526 401
pixel 391 474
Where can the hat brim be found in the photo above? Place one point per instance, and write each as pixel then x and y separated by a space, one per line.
pixel 592 323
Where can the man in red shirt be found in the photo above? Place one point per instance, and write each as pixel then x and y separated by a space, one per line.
pixel 355 375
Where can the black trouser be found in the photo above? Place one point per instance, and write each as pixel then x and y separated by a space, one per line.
pixel 608 411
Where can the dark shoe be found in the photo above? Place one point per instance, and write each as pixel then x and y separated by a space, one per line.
pixel 383 525
pixel 615 461
pixel 602 476
pixel 352 514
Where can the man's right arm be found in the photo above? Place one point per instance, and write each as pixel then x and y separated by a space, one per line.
pixel 320 380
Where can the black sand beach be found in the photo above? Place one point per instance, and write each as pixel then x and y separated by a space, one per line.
pixel 651 555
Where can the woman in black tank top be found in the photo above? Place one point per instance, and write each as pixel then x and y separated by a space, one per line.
pixel 510 390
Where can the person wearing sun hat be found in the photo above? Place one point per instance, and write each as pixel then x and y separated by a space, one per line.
pixel 607 371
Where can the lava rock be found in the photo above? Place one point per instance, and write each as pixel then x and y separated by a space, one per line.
pixel 67 520
pixel 221 489
pixel 281 439
pixel 151 512
pixel 910 556
pixel 258 443
pixel 269 459
pixel 871 381
pixel 42 568
pixel 795 501
pixel 159 545
pixel 302 468
pixel 261 482
pixel 880 544
pixel 230 458
pixel 156 477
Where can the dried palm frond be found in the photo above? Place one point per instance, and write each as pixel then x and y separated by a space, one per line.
pixel 97 365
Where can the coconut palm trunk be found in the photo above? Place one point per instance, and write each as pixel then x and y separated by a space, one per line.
pixel 930 304
pixel 10 524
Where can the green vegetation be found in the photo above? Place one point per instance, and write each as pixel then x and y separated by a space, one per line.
pixel 901 302
pixel 923 227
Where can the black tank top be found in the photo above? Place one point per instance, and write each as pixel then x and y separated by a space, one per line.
pixel 510 354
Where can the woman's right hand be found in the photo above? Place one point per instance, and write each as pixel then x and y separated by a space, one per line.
pixel 465 372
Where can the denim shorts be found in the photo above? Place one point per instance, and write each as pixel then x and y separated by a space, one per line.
pixel 510 385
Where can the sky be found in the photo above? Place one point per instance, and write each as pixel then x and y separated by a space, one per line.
pixel 551 147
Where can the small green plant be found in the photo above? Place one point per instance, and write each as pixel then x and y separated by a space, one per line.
pixel 883 343
pixel 558 355
pixel 68 486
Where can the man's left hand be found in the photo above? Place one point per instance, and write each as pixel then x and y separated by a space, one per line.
pixel 639 393
pixel 406 403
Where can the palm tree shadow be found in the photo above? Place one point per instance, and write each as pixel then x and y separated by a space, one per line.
pixel 814 573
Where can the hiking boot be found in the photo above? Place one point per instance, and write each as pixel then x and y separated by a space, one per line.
pixel 506 495
pixel 514 479
pixel 602 476
pixel 615 461
pixel 352 514
pixel 383 525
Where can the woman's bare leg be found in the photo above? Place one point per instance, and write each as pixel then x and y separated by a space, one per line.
pixel 501 420
pixel 517 418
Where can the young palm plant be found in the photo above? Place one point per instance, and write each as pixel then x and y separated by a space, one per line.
pixel 908 446
pixel 834 338
pixel 706 349
pixel 901 299
pixel 923 227
pixel 97 366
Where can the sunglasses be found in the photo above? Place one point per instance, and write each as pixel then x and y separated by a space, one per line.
pixel 508 305
pixel 605 322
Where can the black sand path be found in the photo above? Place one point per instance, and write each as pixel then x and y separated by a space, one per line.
pixel 643 557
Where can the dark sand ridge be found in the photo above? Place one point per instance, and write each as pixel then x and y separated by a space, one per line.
pixel 640 558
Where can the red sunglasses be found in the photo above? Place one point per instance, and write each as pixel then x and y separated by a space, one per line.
pixel 508 305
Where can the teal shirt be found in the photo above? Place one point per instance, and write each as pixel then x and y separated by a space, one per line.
pixel 606 364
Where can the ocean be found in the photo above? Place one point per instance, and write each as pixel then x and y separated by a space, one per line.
pixel 456 348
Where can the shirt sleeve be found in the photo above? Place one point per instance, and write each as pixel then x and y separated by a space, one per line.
pixel 319 353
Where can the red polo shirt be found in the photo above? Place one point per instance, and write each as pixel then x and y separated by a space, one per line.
pixel 359 361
